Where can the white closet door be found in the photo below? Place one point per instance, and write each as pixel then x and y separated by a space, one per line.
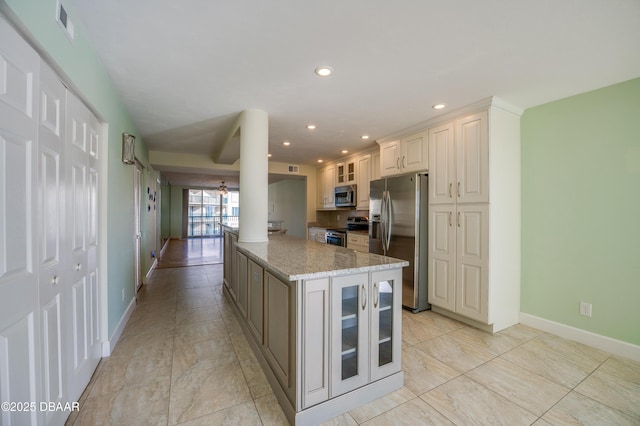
pixel 19 316
pixel 53 264
pixel 83 139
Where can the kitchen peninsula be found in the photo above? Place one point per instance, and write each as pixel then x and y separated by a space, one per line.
pixel 324 321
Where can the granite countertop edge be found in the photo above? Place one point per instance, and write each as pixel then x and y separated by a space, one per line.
pixel 313 259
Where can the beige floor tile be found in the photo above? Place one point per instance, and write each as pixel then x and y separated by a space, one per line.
pixel 151 344
pixel 142 405
pixel 455 352
pixel 198 393
pixel 415 331
pixel 422 372
pixel 622 367
pixel 381 405
pixel 539 359
pixel 203 355
pixel 411 413
pixel 256 380
pixel 193 316
pixel 528 390
pixel 613 391
pixel 466 402
pixel 242 414
pixel 270 412
pixel 200 331
pixel 341 420
pixel 121 373
pixel 584 355
pixel 576 409
pixel 495 344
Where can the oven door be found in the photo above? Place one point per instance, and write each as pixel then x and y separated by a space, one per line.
pixel 337 239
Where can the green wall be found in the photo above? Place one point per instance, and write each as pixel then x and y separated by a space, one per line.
pixel 581 211
pixel 80 64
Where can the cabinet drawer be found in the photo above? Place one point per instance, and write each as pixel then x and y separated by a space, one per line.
pixel 357 239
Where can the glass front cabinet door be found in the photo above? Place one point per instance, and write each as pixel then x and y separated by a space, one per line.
pixel 366 329
pixel 386 323
pixel 350 333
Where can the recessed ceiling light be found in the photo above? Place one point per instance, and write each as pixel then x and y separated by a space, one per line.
pixel 364 137
pixel 311 126
pixel 324 71
pixel 269 155
pixel 439 106
pixel 320 161
pixel 344 151
pixel 286 143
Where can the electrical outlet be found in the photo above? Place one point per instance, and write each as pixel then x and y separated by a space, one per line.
pixel 585 309
pixel 123 294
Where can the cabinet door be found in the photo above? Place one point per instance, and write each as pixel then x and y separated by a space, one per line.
pixel 472 157
pixel 442 164
pixel 315 344
pixel 277 327
pixel 375 166
pixel 255 298
pixel 243 284
pixel 341 174
pixel 320 187
pixel 442 256
pixel 233 268
pixel 349 333
pixel 472 247
pixel 389 158
pixel 364 177
pixel 386 323
pixel 329 186
pixel 414 153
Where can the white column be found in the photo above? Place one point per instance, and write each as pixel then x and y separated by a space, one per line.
pixel 254 176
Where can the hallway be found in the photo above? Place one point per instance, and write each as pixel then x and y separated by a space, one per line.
pixel 183 359
pixel 191 252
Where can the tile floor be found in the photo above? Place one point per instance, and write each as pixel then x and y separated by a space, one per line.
pixel 182 359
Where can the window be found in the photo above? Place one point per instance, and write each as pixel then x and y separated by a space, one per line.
pixel 208 208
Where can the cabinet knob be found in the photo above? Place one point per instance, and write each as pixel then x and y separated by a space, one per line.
pixel 403 162
pixel 376 295
pixel 54 280
pixel 450 189
pixel 398 163
pixel 79 267
pixel 450 224
pixel 458 189
pixel 458 219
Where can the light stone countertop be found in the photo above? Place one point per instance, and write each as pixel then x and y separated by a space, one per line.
pixel 298 259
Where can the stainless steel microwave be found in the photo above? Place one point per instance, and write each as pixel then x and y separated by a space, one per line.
pixel 345 196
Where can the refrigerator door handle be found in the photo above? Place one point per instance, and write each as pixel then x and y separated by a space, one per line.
pixel 389 218
pixel 383 223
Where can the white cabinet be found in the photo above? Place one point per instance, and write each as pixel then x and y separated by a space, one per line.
pixel 358 242
pixel 409 154
pixel 365 329
pixel 474 231
pixel 255 300
pixel 459 161
pixel 363 178
pixel 375 165
pixel 315 342
pixel 346 173
pixel 318 234
pixel 326 180
pixel 458 259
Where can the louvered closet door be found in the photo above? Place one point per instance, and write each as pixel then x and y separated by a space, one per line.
pixel 53 262
pixel 19 316
pixel 83 141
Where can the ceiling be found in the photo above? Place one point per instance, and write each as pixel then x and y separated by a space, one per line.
pixel 186 69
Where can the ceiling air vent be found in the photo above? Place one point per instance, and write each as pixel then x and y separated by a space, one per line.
pixel 294 169
pixel 63 20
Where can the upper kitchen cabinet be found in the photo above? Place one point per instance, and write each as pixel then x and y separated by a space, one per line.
pixel 363 178
pixel 326 180
pixel 346 173
pixel 459 161
pixel 409 154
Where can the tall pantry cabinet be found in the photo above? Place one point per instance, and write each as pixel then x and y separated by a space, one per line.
pixel 474 216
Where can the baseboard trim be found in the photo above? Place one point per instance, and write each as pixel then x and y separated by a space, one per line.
pixel 107 347
pixel 145 280
pixel 617 347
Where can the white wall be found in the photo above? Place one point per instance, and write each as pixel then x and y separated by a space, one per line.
pixel 287 202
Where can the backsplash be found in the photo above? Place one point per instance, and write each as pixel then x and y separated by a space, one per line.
pixel 337 218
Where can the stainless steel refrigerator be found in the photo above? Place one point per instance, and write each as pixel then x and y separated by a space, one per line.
pixel 398 228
